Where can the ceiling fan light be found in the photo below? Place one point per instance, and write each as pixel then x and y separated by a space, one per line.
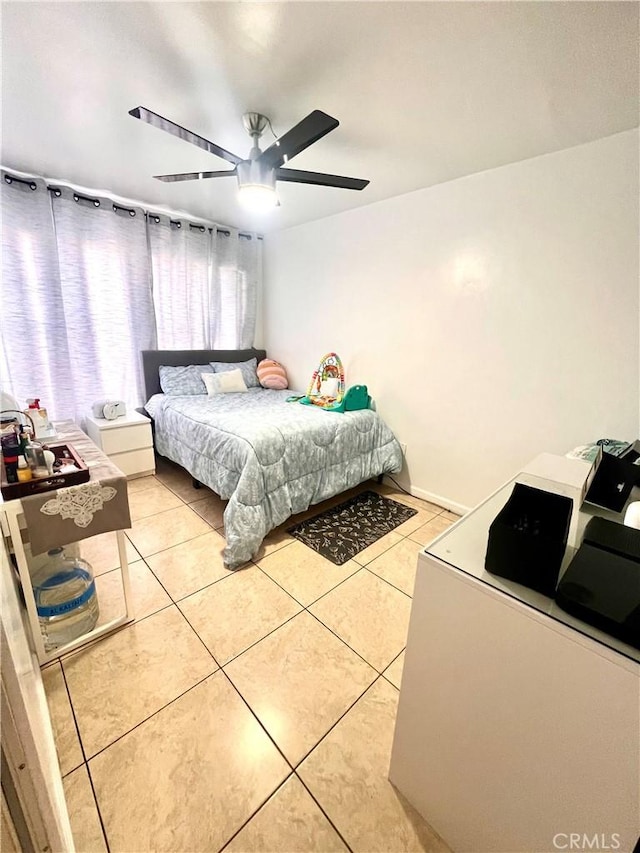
pixel 257 197
pixel 257 186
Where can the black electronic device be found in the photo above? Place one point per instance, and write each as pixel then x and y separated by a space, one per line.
pixel 613 481
pixel 632 457
pixel 601 585
pixel 528 538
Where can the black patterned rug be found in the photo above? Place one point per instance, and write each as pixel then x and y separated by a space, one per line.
pixel 343 531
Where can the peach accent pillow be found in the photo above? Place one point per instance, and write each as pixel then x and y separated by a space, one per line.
pixel 272 375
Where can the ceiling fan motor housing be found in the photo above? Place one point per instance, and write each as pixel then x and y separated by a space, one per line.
pixel 255 173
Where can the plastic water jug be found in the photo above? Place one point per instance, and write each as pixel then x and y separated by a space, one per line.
pixel 65 596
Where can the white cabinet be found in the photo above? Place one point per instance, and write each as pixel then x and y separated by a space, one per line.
pixel 127 441
pixel 518 725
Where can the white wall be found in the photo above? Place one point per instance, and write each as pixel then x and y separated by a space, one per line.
pixel 492 317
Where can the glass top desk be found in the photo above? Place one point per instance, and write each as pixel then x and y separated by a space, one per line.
pixel 464 545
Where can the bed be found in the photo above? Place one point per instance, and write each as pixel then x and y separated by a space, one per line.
pixel 270 459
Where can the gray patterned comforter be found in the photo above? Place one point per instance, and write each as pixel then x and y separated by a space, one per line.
pixel 269 458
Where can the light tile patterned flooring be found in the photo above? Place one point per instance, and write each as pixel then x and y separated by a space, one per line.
pixel 245 711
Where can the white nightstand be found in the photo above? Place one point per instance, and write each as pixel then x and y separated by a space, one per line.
pixel 127 441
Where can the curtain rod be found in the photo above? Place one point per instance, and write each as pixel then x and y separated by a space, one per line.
pixel 30 181
pixel 197 227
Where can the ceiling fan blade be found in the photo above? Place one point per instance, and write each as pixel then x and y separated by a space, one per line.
pixel 312 128
pixel 194 176
pixel 170 127
pixel 319 178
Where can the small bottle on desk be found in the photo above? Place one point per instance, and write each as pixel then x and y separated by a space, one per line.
pixel 24 471
pixel 10 450
pixel 34 454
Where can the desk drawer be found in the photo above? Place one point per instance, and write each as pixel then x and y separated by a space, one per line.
pixel 120 439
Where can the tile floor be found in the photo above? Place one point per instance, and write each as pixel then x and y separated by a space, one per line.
pixel 241 711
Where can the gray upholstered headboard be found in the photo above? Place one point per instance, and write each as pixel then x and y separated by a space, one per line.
pixel 153 358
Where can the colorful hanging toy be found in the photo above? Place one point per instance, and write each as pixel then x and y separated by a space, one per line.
pixel 327 389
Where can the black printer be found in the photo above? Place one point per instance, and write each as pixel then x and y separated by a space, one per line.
pixel 601 585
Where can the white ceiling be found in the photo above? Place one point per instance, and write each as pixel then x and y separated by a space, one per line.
pixel 424 91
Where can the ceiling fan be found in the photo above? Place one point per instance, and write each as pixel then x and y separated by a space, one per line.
pixel 258 173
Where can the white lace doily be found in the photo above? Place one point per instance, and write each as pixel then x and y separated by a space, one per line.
pixel 79 502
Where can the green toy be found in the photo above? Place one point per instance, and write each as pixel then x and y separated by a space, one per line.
pixel 357 397
pixel 351 402
pixel 331 369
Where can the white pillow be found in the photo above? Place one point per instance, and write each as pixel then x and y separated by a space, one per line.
pixel 223 383
pixel 248 369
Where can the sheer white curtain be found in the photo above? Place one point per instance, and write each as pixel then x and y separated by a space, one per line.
pixel 89 283
pixel 236 274
pixel 105 278
pixel 181 261
pixel 34 354
pixel 205 284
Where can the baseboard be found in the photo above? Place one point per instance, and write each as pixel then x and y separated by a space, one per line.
pixel 447 503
